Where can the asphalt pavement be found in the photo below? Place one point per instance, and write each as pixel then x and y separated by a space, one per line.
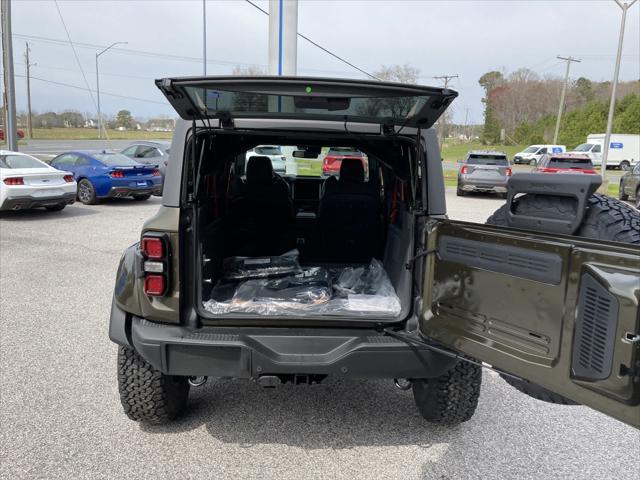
pixel 60 415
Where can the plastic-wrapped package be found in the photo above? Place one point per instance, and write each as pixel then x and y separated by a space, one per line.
pixel 245 268
pixel 315 291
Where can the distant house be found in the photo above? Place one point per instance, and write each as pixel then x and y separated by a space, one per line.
pixel 160 125
pixel 91 123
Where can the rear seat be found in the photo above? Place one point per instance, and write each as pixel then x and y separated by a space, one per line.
pixel 261 215
pixel 349 216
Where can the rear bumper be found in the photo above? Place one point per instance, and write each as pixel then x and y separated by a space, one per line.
pixel 121 192
pixel 27 202
pixel 251 352
pixel 472 185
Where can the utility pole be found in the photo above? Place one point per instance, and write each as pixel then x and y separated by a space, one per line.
pixel 466 122
pixel 443 119
pixel 204 37
pixel 28 69
pixel 10 127
pixel 564 92
pixel 607 137
pixel 100 126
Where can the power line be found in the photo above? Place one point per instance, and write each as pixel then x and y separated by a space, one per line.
pixel 75 53
pixel 315 44
pixel 562 95
pixel 77 87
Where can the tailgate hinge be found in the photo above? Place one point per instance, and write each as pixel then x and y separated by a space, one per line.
pixel 420 253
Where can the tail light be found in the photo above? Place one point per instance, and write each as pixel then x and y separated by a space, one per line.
pixel 156 172
pixel 155 252
pixel 464 170
pixel 508 172
pixel 14 181
pixel 117 174
pixel 68 178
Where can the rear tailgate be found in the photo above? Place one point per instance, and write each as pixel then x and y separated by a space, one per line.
pixel 306 98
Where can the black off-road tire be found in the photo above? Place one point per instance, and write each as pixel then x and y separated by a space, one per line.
pixel 451 398
pixel 147 395
pixel 142 198
pixel 605 219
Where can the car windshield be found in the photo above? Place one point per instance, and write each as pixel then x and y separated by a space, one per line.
pixel 568 162
pixel 300 161
pixel 113 159
pixel 530 149
pixel 19 161
pixel 268 150
pixel 585 147
pixel 476 159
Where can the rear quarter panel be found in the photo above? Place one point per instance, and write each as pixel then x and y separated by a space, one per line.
pixel 129 293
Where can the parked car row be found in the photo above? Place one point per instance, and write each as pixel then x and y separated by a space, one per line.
pixel 489 172
pixel 85 175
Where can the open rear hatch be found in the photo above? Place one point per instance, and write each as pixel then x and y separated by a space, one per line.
pixel 384 103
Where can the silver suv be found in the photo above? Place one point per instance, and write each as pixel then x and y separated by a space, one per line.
pixel 484 171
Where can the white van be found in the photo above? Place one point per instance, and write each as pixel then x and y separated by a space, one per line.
pixel 624 149
pixel 533 153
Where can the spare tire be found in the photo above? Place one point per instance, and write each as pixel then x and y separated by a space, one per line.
pixel 605 219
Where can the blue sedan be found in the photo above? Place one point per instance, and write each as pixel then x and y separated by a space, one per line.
pixel 103 174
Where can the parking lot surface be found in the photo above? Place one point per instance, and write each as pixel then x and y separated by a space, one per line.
pixel 60 415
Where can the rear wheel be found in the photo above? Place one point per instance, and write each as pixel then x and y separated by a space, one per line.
pixel 621 194
pixel 147 395
pixel 624 164
pixel 141 198
pixel 533 162
pixel 86 192
pixel 55 208
pixel 451 398
pixel 606 219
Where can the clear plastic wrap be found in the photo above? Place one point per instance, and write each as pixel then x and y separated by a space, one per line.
pixel 315 291
pixel 246 268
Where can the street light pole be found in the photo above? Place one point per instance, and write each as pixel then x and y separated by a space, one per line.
pixel 204 37
pixel 98 85
pixel 607 137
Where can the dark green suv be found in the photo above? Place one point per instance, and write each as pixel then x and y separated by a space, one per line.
pixel 246 273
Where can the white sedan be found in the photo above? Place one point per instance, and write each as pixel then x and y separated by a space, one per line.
pixel 26 182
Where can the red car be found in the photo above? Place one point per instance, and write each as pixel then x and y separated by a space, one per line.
pixel 18 131
pixel 565 163
pixel 333 159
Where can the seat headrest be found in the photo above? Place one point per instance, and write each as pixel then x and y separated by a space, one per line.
pixel 259 171
pixel 352 170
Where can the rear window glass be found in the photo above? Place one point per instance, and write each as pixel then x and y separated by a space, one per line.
pixel 555 162
pixel 268 150
pixel 345 152
pixel 19 161
pixel 210 101
pixel 317 163
pixel 531 149
pixel 113 159
pixel 478 159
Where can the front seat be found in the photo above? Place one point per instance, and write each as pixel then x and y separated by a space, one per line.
pixel 262 215
pixel 349 216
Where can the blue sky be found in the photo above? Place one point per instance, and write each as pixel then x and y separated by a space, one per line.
pixel 467 38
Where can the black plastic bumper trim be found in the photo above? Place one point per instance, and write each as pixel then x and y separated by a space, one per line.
pixel 253 351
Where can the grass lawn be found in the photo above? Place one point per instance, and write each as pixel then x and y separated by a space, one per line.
pixel 92 134
pixel 311 168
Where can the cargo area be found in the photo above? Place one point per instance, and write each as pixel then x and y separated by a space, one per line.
pixel 302 228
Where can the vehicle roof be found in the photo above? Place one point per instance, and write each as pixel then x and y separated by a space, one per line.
pixel 151 143
pixel 486 152
pixel 11 152
pixel 560 156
